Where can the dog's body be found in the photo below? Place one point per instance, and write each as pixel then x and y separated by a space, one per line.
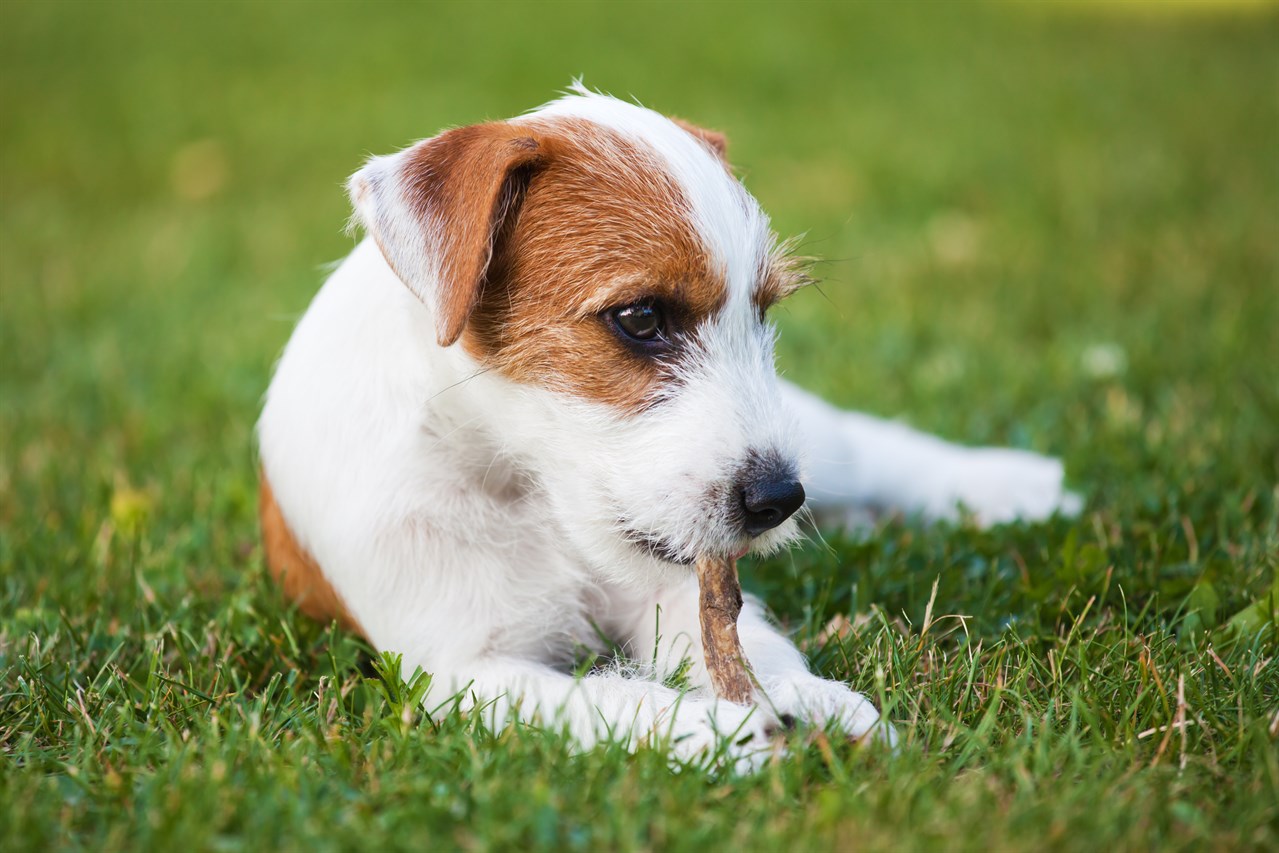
pixel 518 411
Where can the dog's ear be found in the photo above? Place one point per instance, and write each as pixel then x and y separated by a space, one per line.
pixel 437 209
pixel 712 139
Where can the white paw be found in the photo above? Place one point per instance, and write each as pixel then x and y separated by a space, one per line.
pixel 997 485
pixel 716 733
pixel 829 704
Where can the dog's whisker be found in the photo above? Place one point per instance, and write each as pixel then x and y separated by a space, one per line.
pixel 458 384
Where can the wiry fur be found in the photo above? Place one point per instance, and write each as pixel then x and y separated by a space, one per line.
pixel 481 508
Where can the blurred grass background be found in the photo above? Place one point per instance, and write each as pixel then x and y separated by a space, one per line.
pixel 1049 225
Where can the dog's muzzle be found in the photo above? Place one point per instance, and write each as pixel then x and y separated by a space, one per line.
pixel 761 494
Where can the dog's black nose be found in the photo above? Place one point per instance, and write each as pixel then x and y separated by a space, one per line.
pixel 769 500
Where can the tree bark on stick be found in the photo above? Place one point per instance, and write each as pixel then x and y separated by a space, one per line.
pixel 719 603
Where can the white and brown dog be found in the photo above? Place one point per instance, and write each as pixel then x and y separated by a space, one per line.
pixel 513 416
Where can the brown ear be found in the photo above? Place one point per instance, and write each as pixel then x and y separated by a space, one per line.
pixel 437 209
pixel 713 139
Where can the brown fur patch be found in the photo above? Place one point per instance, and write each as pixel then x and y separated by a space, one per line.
pixel 294 569
pixel 601 226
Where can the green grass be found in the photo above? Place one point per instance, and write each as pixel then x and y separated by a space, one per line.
pixel 1057 231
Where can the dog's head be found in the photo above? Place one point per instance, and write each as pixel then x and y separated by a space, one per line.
pixel 604 262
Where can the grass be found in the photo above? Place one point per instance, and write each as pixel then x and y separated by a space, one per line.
pixel 1047 228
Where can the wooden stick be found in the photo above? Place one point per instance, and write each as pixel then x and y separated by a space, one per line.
pixel 719 603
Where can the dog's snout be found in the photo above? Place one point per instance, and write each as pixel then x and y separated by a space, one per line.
pixel 767 503
pixel 770 494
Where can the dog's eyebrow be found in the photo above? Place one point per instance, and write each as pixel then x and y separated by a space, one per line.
pixel 614 295
pixel 641 289
pixel 781 274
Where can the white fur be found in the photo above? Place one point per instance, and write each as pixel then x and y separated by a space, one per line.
pixel 472 523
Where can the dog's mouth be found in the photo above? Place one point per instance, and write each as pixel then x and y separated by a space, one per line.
pixel 662 550
pixel 656 548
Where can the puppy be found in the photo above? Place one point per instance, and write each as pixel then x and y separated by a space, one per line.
pixel 540 387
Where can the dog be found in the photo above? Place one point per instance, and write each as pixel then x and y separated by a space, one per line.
pixel 538 389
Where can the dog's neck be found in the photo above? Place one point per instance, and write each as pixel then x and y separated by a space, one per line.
pixel 465 408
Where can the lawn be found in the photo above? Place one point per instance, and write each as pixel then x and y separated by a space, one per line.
pixel 1055 227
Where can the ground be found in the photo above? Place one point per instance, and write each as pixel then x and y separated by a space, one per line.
pixel 1054 226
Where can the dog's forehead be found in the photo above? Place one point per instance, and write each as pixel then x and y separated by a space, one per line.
pixel 729 224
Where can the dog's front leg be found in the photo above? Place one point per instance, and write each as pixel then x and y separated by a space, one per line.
pixel 607 707
pixel 671 630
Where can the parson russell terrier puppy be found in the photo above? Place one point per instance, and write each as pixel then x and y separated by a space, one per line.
pixel 540 387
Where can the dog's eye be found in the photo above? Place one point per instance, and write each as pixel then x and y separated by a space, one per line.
pixel 642 322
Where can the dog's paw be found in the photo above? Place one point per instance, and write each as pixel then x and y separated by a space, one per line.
pixel 717 734
pixel 830 705
pixel 997 485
